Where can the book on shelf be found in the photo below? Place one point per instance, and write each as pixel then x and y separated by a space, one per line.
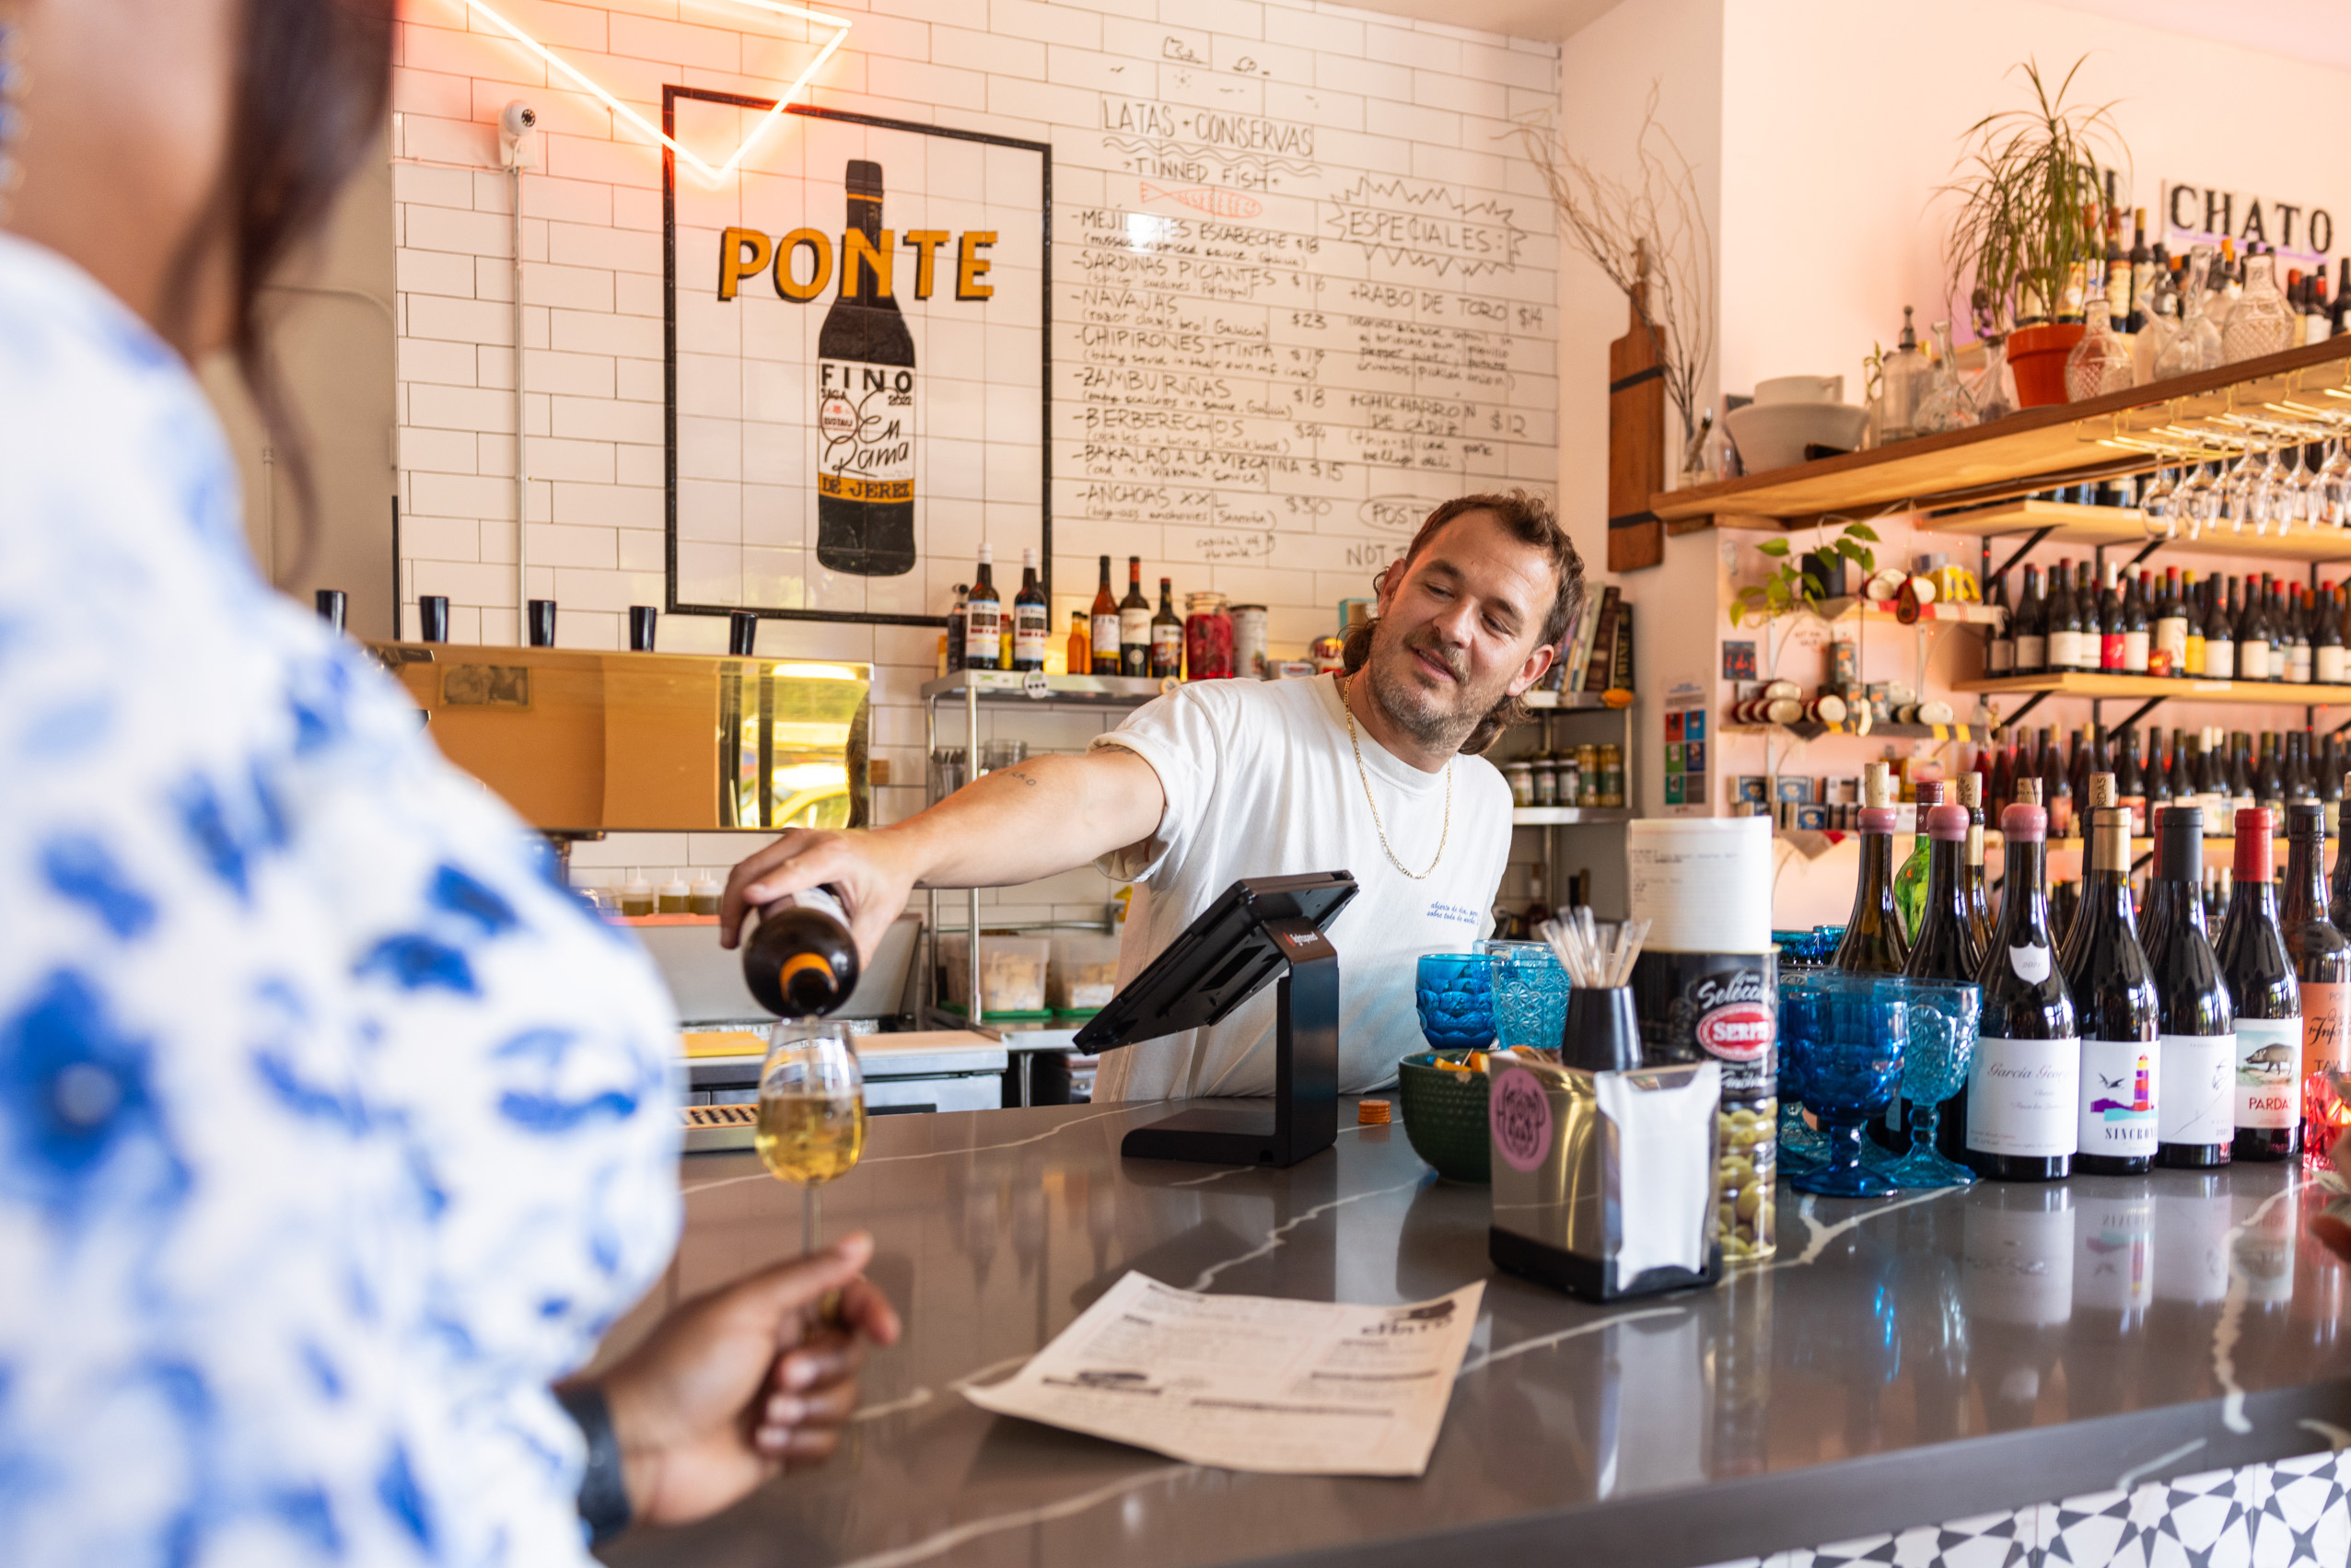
pixel 1596 650
pixel 1621 664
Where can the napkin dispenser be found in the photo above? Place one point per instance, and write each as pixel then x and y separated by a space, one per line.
pixel 1603 1182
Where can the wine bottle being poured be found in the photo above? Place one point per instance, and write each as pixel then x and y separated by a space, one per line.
pixel 800 961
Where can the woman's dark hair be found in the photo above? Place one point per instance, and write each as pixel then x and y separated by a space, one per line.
pixel 1529 518
pixel 313 82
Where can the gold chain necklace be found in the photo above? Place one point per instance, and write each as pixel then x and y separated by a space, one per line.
pixel 1380 826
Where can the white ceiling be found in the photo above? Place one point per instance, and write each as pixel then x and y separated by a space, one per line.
pixel 1553 20
pixel 2314 30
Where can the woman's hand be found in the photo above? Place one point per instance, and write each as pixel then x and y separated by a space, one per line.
pixel 746 1381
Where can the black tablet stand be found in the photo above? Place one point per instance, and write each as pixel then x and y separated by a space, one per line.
pixel 1258 927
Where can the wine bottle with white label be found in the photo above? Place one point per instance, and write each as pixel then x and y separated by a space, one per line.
pixel 984 618
pixel 2260 973
pixel 2195 1101
pixel 1031 617
pixel 2321 970
pixel 2116 1005
pixel 2024 1083
pixel 865 483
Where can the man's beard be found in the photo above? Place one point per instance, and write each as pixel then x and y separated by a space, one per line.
pixel 1438 721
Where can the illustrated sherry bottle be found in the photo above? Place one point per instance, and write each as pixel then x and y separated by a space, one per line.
pixel 2116 1007
pixel 865 485
pixel 2260 973
pixel 1135 624
pixel 2024 1083
pixel 1103 628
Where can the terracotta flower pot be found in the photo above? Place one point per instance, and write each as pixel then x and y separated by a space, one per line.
pixel 2038 356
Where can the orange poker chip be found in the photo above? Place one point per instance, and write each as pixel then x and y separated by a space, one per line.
pixel 1371 1112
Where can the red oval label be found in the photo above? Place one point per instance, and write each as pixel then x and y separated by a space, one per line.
pixel 1741 1032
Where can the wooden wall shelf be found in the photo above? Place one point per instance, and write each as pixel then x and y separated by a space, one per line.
pixel 2095 527
pixel 2079 684
pixel 2035 449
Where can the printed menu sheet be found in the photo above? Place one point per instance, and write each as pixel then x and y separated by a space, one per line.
pixel 1251 1382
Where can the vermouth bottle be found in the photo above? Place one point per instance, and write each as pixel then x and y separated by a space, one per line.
pixel 2025 1080
pixel 1135 624
pixel 2260 973
pixel 1102 627
pixel 984 618
pixel 1031 618
pixel 2114 997
pixel 865 485
pixel 2195 1116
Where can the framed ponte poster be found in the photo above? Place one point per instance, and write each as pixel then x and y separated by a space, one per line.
pixel 857 334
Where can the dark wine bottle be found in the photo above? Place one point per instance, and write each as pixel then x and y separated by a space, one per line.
pixel 1166 635
pixel 1031 617
pixel 1979 898
pixel 799 960
pixel 2338 903
pixel 1134 639
pixel 2195 1115
pixel 2115 1008
pixel 1873 938
pixel 865 394
pixel 2260 973
pixel 984 618
pixel 1102 627
pixel 2031 627
pixel 2063 622
pixel 2321 970
pixel 2170 653
pixel 2000 648
pixel 2024 1084
pixel 957 620
pixel 1947 947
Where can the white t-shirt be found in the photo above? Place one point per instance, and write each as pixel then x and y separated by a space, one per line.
pixel 1261 781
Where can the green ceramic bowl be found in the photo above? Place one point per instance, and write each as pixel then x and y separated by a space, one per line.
pixel 1445 1116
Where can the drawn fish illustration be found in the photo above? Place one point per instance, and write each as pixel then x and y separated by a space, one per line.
pixel 1207 199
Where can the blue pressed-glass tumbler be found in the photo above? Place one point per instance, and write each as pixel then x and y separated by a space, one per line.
pixel 1530 993
pixel 1455 994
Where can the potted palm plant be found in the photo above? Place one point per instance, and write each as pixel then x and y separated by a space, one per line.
pixel 2030 182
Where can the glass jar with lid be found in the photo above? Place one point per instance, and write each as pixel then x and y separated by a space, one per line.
pixel 1611 775
pixel 1546 780
pixel 1587 775
pixel 1207 637
pixel 1521 777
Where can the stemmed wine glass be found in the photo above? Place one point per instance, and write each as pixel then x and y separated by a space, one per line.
pixel 2236 484
pixel 2158 515
pixel 812 1111
pixel 2198 499
pixel 1944 1016
pixel 2333 499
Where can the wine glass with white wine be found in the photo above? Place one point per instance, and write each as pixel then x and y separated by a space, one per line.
pixel 812 1111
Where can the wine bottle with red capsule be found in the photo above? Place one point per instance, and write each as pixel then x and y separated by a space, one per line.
pixel 2260 973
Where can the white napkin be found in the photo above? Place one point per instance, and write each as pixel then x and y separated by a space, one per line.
pixel 1665 1176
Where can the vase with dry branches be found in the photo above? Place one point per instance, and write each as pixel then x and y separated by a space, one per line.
pixel 1649 236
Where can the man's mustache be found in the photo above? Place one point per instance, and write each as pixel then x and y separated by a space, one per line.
pixel 1445 653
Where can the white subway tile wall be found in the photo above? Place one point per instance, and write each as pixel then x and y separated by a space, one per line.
pixel 1416 186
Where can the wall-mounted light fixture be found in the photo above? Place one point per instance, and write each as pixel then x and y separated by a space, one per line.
pixel 709 174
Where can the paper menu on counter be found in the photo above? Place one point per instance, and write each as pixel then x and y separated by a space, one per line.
pixel 1251 1382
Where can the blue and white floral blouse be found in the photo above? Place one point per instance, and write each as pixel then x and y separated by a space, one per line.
pixel 329 1130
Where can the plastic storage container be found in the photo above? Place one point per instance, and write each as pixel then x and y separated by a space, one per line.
pixel 1084 974
pixel 1012 972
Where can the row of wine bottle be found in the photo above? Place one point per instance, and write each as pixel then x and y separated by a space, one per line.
pixel 1124 636
pixel 2223 771
pixel 2131 1041
pixel 2172 625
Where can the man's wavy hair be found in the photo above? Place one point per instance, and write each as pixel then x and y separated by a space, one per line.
pixel 1529 519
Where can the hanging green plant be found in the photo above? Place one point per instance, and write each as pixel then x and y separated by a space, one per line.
pixel 1788 589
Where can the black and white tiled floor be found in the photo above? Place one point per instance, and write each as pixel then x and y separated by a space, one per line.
pixel 2296 1513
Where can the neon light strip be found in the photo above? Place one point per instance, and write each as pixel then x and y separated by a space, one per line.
pixel 710 176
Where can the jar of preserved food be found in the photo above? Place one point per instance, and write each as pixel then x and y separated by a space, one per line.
pixel 1207 638
pixel 1330 654
pixel 1546 780
pixel 1587 775
pixel 1571 780
pixel 1521 776
pixel 1248 641
pixel 1611 775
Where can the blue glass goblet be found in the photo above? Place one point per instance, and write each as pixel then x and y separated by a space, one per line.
pixel 1455 994
pixel 1849 1049
pixel 1800 1148
pixel 1944 1017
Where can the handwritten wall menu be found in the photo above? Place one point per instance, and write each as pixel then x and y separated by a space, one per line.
pixel 1284 364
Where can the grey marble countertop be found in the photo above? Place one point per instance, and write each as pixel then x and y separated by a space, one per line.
pixel 1899 1362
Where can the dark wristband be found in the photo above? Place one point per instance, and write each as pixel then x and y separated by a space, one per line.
pixel 603 1492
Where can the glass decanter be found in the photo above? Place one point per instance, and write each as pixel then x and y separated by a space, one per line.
pixel 1903 380
pixel 2261 323
pixel 1991 391
pixel 1944 404
pixel 2101 363
pixel 2197 344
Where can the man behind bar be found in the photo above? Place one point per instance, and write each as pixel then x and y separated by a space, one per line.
pixel 1376 771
